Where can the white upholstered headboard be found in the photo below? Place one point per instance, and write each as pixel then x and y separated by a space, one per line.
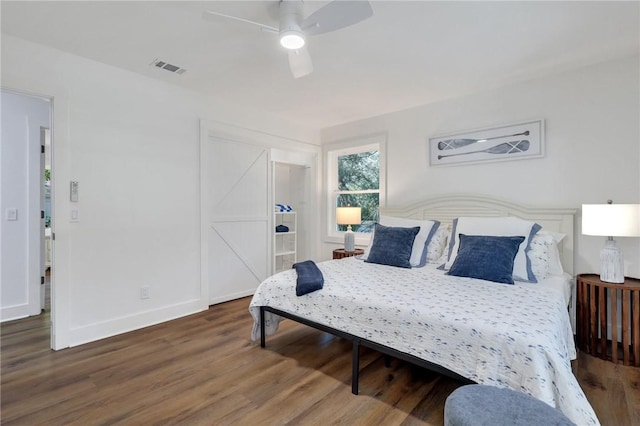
pixel 445 208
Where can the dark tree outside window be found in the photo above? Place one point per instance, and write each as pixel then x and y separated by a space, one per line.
pixel 359 185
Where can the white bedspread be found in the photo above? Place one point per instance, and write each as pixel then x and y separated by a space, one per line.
pixel 515 336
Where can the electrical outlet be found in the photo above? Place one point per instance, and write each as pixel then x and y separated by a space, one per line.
pixel 144 292
pixel 11 214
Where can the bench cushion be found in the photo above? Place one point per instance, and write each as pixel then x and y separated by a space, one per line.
pixel 475 405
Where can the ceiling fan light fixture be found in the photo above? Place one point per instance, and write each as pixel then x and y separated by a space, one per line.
pixel 292 39
pixel 332 16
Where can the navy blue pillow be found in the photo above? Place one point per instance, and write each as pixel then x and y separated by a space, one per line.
pixel 392 245
pixel 486 258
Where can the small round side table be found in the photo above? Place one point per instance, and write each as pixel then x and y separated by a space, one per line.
pixel 340 253
pixel 601 304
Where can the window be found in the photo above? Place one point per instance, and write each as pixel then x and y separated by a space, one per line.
pixel 355 177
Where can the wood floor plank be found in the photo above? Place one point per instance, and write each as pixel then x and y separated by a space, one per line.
pixel 631 383
pixel 203 369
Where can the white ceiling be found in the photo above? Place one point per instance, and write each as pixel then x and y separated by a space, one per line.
pixel 409 53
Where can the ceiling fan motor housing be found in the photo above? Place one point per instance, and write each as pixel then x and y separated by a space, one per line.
pixel 291 35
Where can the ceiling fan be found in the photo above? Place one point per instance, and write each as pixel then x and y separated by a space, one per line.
pixel 294 28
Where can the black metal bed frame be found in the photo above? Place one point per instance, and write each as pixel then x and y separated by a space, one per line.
pixel 357 342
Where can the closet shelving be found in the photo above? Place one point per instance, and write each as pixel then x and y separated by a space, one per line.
pixel 285 243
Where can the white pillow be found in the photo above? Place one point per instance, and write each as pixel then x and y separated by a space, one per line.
pixel 557 236
pixel 500 227
pixel 544 254
pixel 541 245
pixel 438 243
pixel 419 250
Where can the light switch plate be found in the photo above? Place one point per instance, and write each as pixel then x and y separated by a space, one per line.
pixel 75 215
pixel 74 190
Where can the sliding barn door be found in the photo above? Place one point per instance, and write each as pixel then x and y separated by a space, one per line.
pixel 237 218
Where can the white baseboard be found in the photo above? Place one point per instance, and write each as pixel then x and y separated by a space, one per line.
pixel 233 296
pixel 97 331
pixel 10 313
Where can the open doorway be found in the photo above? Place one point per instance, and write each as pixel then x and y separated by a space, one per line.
pixel 25 205
pixel 47 246
pixel 291 189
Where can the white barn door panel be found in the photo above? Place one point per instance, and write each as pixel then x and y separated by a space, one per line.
pixel 237 218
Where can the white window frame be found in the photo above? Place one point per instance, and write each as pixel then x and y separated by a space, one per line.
pixel 331 152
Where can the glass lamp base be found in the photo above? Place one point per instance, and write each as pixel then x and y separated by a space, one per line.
pixel 349 240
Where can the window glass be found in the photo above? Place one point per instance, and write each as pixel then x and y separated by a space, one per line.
pixel 355 177
pixel 368 203
pixel 359 185
pixel 359 171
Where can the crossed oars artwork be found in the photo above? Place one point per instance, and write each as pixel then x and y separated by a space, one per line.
pixel 459 143
pixel 503 148
pixel 506 144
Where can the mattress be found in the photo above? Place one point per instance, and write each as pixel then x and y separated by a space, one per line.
pixel 515 336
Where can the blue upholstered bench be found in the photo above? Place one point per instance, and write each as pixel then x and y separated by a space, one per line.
pixel 481 405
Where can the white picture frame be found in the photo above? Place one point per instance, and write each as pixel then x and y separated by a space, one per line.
pixel 503 143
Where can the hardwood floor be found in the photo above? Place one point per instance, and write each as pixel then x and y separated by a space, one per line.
pixel 203 369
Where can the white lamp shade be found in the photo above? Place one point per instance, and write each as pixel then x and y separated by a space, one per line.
pixel 348 215
pixel 611 220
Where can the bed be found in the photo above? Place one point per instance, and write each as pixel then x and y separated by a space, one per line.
pixel 516 336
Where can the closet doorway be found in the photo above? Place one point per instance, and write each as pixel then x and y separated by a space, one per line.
pixel 242 173
pixel 290 188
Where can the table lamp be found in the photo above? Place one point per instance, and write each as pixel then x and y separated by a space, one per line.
pixel 349 216
pixel 611 220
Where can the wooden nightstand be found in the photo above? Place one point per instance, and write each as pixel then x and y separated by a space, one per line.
pixel 340 253
pixel 597 310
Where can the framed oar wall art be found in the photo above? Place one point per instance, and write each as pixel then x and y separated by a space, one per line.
pixel 509 142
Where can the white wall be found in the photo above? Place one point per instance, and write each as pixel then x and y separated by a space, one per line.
pixel 22 118
pixel 592 147
pixel 133 145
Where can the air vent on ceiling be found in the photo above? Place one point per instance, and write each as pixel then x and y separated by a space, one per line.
pixel 169 67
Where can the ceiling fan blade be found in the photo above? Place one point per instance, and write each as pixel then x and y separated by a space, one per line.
pixel 300 62
pixel 209 15
pixel 335 15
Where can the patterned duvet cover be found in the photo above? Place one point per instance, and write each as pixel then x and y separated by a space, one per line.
pixel 515 336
